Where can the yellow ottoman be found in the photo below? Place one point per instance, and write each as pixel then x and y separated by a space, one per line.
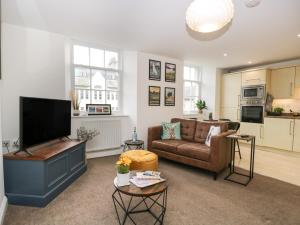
pixel 142 160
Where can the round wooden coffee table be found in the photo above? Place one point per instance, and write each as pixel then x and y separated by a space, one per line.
pixel 152 196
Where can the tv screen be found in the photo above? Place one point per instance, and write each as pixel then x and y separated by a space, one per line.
pixel 43 120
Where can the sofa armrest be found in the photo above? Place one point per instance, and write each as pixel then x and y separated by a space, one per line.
pixel 154 133
pixel 220 150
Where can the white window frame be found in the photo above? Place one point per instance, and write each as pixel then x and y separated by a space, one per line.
pixel 199 82
pixel 119 70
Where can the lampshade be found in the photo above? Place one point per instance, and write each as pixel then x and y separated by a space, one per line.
pixel 209 15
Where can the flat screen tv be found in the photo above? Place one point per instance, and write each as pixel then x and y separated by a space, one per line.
pixel 42 120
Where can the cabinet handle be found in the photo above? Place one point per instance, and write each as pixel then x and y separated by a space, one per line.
pixel 239 100
pixel 237 115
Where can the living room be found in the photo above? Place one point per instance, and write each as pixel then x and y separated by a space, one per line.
pixel 161 78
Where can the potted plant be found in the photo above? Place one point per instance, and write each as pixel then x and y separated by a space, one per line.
pixel 123 170
pixel 201 104
pixel 75 103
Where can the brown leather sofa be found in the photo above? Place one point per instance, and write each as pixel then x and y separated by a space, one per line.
pixel 191 149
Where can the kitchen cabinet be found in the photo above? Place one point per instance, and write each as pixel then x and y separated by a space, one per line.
pixel 278 133
pixel 230 113
pixel 254 129
pixel 255 77
pixel 230 96
pixel 296 146
pixel 283 82
pixel 297 78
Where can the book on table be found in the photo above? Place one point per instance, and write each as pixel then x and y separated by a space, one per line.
pixel 141 183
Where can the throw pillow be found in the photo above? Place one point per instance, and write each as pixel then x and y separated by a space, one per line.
pixel 171 131
pixel 213 131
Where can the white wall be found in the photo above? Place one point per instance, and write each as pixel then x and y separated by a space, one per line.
pixel 154 115
pixel 129 88
pixel 33 65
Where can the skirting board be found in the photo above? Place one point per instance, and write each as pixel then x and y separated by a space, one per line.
pixel 3 209
pixel 103 153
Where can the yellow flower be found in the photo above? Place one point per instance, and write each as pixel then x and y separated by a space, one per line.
pixel 123 160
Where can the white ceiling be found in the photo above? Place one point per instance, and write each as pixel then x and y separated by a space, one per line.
pixel 262 34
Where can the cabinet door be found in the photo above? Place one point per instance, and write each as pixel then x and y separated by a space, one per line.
pixel 296 146
pixel 230 113
pixel 297 79
pixel 283 82
pixel 231 90
pixel 255 77
pixel 253 129
pixel 278 133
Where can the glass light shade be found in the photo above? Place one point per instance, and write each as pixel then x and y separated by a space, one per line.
pixel 206 16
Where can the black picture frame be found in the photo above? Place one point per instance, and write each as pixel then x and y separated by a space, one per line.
pixel 154 70
pixel 170 99
pixel 154 96
pixel 98 109
pixel 170 76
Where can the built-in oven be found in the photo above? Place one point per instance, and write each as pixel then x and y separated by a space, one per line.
pixel 253 92
pixel 252 113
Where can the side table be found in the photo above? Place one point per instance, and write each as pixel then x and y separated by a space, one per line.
pixel 149 197
pixel 131 145
pixel 233 140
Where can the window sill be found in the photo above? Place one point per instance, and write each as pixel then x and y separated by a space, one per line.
pixel 98 116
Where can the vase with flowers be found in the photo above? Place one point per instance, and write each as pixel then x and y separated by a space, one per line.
pixel 123 165
pixel 75 103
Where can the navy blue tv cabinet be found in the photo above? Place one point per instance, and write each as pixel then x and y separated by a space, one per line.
pixel 36 180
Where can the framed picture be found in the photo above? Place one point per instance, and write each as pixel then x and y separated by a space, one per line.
pixel 154 70
pixel 154 96
pixel 170 72
pixel 98 109
pixel 169 96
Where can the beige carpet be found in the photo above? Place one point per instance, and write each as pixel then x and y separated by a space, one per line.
pixel 194 198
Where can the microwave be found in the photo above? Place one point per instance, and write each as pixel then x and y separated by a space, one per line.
pixel 253 92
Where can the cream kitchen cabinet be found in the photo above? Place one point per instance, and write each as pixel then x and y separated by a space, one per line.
pixel 255 77
pixel 283 82
pixel 230 96
pixel 297 78
pixel 278 133
pixel 230 113
pixel 296 146
pixel 254 129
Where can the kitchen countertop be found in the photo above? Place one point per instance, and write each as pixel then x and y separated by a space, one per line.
pixel 284 117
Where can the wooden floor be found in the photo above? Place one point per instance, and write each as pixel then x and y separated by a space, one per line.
pixel 281 165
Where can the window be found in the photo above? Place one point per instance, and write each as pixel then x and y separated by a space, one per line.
pixel 192 88
pixel 96 72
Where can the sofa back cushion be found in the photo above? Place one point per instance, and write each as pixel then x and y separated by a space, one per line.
pixel 187 128
pixel 202 130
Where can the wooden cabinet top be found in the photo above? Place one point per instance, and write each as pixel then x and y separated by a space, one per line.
pixel 44 152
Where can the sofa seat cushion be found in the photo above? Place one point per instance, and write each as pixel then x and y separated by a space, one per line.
pixel 168 145
pixel 194 150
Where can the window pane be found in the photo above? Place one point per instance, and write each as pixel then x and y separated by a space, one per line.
pixel 82 78
pixel 111 60
pixel 194 74
pixel 187 89
pixel 112 81
pixel 98 97
pixel 112 97
pixel 187 73
pixel 195 89
pixel 97 57
pixel 81 55
pixel 84 97
pixel 98 79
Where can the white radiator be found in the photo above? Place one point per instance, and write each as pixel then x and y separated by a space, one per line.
pixel 110 129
